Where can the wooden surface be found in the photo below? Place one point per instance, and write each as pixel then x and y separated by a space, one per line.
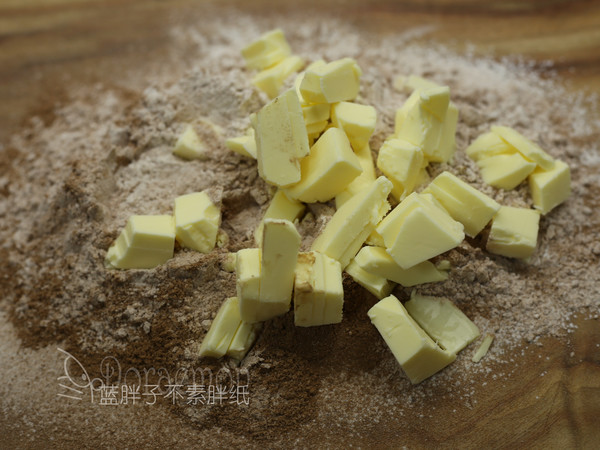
pixel 46 46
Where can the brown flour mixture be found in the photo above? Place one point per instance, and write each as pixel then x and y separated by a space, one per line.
pixel 68 184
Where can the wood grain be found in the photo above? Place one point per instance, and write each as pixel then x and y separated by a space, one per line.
pixel 46 47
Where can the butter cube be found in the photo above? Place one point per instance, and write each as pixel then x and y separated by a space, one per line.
pixel 318 291
pixel 442 321
pixel 279 254
pixel 316 113
pixel 197 221
pixel 417 125
pixel 525 147
pixel 418 355
pixel 247 281
pixel 281 140
pixel 514 232
pixel 281 207
pixel 314 129
pixel 366 177
pixel 267 50
pixel 505 171
pixel 417 230
pixel 549 188
pixel 350 226
pixel 228 334
pixel 463 202
pixel 413 82
pixel 334 82
pixel 488 144
pixel 188 145
pixel 436 101
pixel 357 121
pixel 244 145
pixel 483 348
pixel 447 143
pixel 144 243
pixel 300 77
pixel 228 264
pixel 377 261
pixel 271 80
pixel 327 170
pixel 380 287
pixel 222 330
pixel 400 161
pixel 243 339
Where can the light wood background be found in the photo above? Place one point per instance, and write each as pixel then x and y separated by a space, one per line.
pixel 47 45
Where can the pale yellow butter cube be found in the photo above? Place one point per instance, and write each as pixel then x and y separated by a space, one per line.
pixel 267 50
pixel 400 161
pixel 300 77
pixel 188 145
pixel 350 226
pixel 247 281
pixel 377 261
pixel 514 232
pixel 436 101
pixel 222 330
pixel 357 121
pixel 228 334
pixel 549 188
pixel 413 82
pixel 327 170
pixel 417 125
pixel 333 82
pixel 271 80
pixel 380 287
pixel 442 321
pixel 197 221
pixel 418 355
pixel 463 202
pixel 366 177
pixel 417 230
pixel 144 243
pixel 280 246
pixel 243 339
pixel 505 171
pixel 447 144
pixel 316 113
pixel 527 148
pixel 318 291
pixel 244 145
pixel 315 129
pixel 281 140
pixel 488 144
pixel 281 207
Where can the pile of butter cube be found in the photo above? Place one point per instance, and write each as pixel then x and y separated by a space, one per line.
pixel 311 143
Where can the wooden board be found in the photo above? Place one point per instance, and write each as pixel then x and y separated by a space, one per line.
pixel 47 46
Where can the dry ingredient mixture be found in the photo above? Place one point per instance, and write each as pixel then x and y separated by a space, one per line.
pixel 69 182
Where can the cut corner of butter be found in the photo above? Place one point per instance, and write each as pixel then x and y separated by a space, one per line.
pixel 281 140
pixel 147 241
pixel 418 355
pixel 379 286
pixel 197 221
pixel 443 321
pixel 318 290
pixel 514 232
pixel 189 145
pixel 266 51
pixel 550 188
